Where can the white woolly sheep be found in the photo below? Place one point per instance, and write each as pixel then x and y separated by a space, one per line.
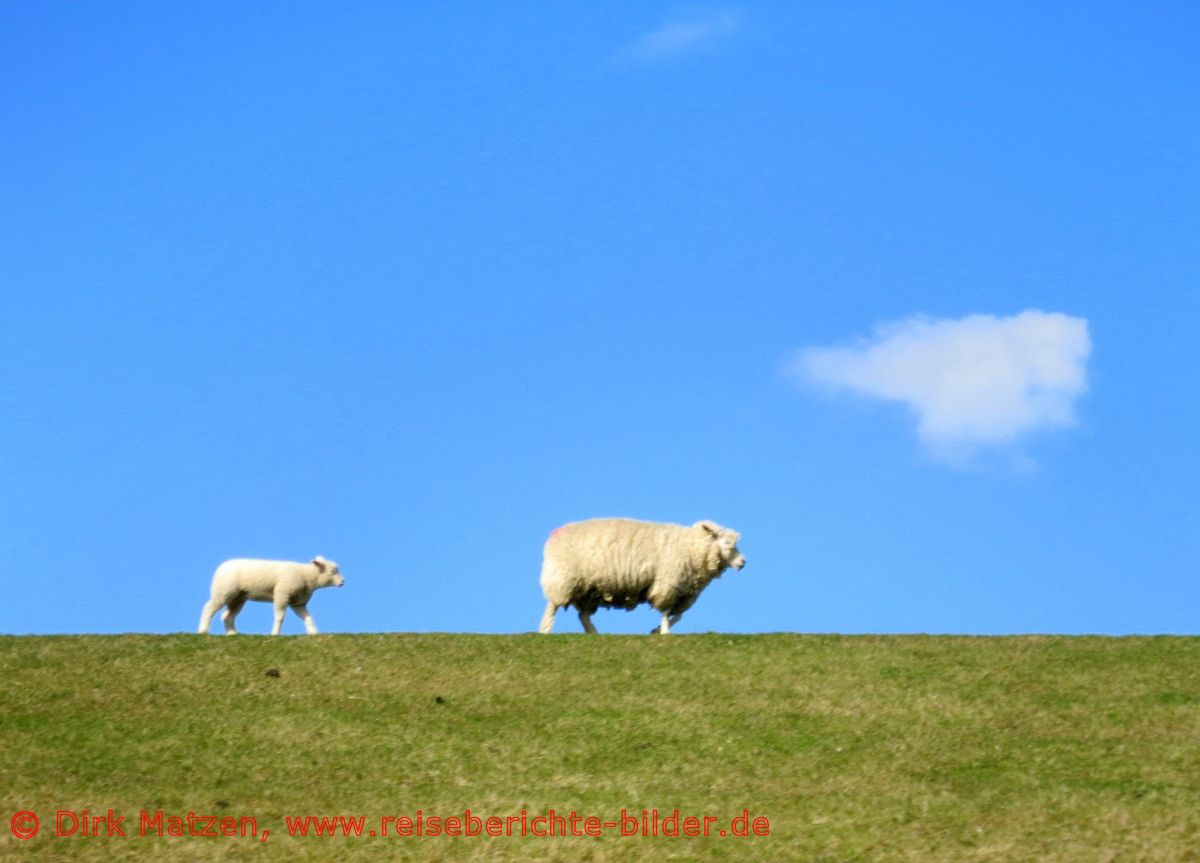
pixel 621 563
pixel 276 581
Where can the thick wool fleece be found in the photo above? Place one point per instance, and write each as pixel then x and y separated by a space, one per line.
pixel 620 563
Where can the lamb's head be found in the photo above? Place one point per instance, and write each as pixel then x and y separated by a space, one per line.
pixel 726 541
pixel 328 574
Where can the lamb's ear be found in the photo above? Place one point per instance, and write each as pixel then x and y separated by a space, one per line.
pixel 709 528
pixel 319 563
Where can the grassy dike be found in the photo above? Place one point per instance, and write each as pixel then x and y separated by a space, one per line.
pixel 854 748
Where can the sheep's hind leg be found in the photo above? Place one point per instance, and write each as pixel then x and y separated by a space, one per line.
pixel 206 616
pixel 309 624
pixel 585 617
pixel 547 623
pixel 231 612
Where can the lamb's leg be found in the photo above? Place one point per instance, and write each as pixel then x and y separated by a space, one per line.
pixel 280 611
pixel 206 616
pixel 231 612
pixel 302 613
pixel 585 617
pixel 548 618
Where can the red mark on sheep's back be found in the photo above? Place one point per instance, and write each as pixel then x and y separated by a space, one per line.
pixel 556 532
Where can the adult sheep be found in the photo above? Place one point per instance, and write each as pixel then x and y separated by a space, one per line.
pixel 621 563
pixel 276 581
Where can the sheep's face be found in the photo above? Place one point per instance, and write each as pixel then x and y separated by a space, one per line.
pixel 726 541
pixel 330 575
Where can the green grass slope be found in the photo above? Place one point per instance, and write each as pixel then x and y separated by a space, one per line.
pixel 851 748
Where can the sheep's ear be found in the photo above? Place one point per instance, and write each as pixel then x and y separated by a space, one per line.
pixel 319 562
pixel 709 528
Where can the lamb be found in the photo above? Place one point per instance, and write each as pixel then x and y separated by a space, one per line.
pixel 621 563
pixel 277 581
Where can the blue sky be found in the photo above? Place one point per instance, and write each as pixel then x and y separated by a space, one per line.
pixel 906 293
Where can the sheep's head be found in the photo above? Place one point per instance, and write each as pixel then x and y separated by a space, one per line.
pixel 726 541
pixel 328 572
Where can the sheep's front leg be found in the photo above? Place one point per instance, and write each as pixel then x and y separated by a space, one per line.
pixel 668 620
pixel 548 618
pixel 280 611
pixel 585 617
pixel 302 613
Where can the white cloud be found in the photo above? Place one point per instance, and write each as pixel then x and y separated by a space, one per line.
pixel 683 36
pixel 973 382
